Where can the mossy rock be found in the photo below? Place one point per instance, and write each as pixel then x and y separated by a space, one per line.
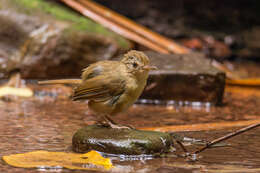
pixel 57 12
pixel 37 32
pixel 121 141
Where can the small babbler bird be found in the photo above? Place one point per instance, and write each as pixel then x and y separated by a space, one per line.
pixel 111 86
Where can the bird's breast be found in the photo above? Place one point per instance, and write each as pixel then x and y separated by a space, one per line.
pixel 133 91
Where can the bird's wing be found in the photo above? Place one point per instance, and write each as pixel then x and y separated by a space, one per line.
pixel 97 69
pixel 100 88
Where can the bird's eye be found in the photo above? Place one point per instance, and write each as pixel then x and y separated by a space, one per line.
pixel 135 65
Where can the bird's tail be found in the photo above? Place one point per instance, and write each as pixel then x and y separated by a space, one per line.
pixel 61 81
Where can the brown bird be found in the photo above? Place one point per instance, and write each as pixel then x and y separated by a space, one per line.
pixel 111 86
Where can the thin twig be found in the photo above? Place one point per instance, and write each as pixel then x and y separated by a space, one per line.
pixel 244 82
pixel 230 135
pixel 182 146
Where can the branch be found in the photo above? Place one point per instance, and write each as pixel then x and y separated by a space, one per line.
pixel 230 135
pixel 110 15
pixel 88 12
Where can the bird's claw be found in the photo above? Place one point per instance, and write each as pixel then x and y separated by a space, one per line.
pixel 117 126
pixel 114 126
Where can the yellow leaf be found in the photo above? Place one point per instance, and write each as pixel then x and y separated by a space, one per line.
pixel 40 159
pixel 22 92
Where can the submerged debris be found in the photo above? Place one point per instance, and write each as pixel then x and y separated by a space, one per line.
pixel 22 92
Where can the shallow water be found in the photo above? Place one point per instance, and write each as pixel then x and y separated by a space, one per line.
pixel 48 120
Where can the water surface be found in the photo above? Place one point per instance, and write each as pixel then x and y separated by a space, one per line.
pixel 48 120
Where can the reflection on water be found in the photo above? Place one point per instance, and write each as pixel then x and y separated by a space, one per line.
pixel 175 103
pixel 48 121
pixel 172 104
pixel 121 157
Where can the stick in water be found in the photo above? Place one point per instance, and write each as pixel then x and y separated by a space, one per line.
pixel 230 135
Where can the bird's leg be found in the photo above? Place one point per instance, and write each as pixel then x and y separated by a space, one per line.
pixel 113 125
pixel 101 120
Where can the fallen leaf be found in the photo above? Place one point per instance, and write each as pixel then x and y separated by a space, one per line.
pixel 22 92
pixel 41 159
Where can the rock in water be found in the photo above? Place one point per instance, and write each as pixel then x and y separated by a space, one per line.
pixel 120 141
pixel 184 78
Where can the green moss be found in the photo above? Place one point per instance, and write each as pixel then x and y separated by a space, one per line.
pixel 62 13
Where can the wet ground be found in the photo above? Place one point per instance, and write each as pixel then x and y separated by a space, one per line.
pixel 48 120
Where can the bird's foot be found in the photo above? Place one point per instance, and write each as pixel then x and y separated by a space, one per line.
pixel 106 121
pixel 118 126
pixel 113 125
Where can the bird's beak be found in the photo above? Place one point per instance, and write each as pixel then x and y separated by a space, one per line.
pixel 149 67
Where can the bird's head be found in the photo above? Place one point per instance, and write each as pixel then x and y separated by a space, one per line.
pixel 137 63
